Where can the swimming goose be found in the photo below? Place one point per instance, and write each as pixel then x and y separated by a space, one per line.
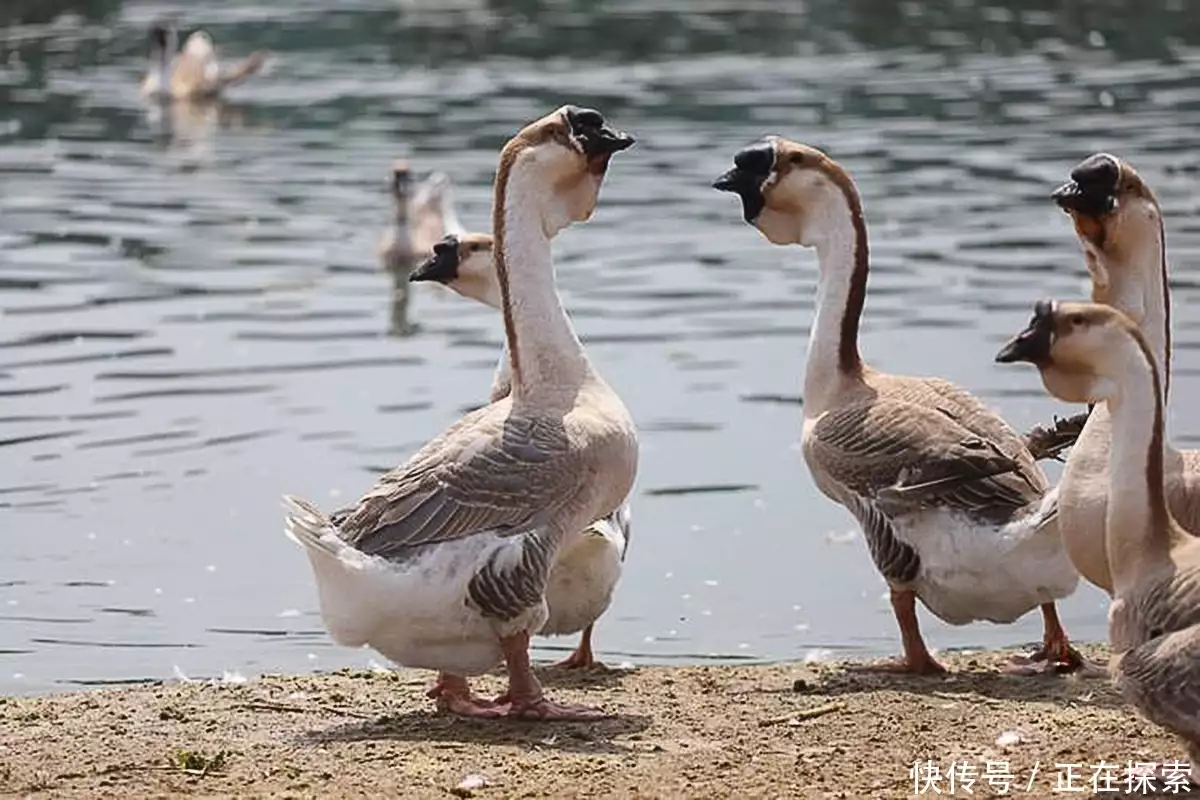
pixel 1120 225
pixel 585 572
pixel 194 73
pixel 444 563
pixel 1093 353
pixel 421 217
pixel 953 506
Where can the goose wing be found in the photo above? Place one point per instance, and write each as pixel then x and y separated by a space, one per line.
pixel 904 457
pixel 889 457
pixel 491 472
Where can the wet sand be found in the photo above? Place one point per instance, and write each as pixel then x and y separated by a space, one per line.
pixel 791 730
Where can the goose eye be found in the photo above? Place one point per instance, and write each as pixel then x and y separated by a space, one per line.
pixel 1077 321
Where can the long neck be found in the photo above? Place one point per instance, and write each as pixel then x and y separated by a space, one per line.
pixel 1138 287
pixel 546 356
pixel 400 203
pixel 1138 527
pixel 843 256
pixel 160 64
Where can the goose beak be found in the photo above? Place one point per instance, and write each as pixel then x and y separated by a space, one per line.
pixel 747 186
pixel 596 137
pixel 442 266
pixel 1092 189
pixel 751 166
pixel 1032 345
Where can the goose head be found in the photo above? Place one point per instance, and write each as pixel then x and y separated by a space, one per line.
pixel 1081 349
pixel 565 154
pixel 791 192
pixel 463 263
pixel 1119 222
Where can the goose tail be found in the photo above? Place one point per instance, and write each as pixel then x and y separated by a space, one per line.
pixel 310 528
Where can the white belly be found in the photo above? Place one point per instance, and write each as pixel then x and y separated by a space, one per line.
pixel 582 580
pixel 416 614
pixel 993 573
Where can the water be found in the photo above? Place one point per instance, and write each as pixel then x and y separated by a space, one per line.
pixel 192 322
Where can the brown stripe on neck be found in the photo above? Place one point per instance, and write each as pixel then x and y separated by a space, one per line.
pixel 1160 518
pixel 1166 289
pixel 849 360
pixel 499 255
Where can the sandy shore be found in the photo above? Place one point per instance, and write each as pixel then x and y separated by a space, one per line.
pixel 765 731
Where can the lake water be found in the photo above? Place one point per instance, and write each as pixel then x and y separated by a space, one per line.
pixel 192 321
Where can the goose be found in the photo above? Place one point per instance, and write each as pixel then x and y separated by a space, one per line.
pixel 952 504
pixel 421 217
pixel 1119 224
pixel 443 564
pixel 1087 352
pixel 585 573
pixel 194 73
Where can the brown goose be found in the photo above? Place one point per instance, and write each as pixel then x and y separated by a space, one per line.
pixel 1093 353
pixel 1120 226
pixel 954 509
pixel 194 73
pixel 585 573
pixel 444 563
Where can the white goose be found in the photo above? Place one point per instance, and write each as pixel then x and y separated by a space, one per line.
pixel 585 572
pixel 444 563
pixel 953 506
pixel 1120 226
pixel 194 73
pixel 1093 353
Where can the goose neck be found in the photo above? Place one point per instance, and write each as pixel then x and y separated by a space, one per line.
pixel 1139 288
pixel 1138 527
pixel 545 355
pixel 843 263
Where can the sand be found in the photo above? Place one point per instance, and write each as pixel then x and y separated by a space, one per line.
pixel 791 730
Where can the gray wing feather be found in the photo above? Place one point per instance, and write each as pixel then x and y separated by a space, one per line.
pixel 503 591
pixel 903 457
pixel 491 472
pixel 894 559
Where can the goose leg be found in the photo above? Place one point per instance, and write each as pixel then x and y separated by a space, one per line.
pixel 453 694
pixel 917 659
pixel 1056 653
pixel 582 657
pixel 525 699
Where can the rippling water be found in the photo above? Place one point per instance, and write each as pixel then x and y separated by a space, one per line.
pixel 192 321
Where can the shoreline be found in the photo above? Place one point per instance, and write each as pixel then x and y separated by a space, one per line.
pixel 791 730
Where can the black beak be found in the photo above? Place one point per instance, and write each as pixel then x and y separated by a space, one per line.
pixel 1033 343
pixel 442 266
pixel 1092 189
pixel 751 166
pixel 595 136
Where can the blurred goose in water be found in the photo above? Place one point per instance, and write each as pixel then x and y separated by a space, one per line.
pixel 194 73
pixel 1120 225
pixel 953 506
pixel 1090 353
pixel 585 572
pixel 422 216
pixel 444 564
